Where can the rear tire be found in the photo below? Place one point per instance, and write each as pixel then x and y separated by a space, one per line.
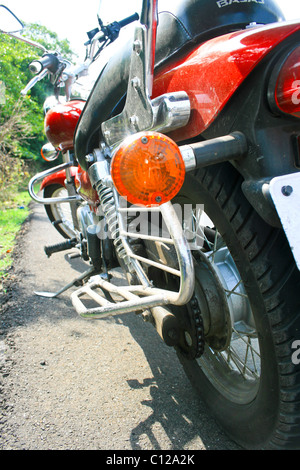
pixel 262 412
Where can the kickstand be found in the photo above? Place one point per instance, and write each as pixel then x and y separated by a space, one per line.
pixel 76 282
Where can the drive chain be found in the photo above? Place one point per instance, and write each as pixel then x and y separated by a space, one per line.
pixel 197 325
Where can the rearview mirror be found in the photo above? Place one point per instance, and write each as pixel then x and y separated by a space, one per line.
pixel 9 23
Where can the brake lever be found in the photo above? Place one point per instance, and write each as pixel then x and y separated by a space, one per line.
pixel 33 81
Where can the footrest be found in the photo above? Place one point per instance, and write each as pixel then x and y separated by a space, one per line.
pixel 122 299
pixel 67 245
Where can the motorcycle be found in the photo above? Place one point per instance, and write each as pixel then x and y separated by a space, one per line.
pixel 187 157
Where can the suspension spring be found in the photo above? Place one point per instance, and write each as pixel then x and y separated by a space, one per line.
pixel 108 207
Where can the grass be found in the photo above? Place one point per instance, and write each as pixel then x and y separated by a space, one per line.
pixel 13 213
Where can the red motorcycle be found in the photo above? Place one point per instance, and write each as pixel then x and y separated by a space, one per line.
pixel 188 154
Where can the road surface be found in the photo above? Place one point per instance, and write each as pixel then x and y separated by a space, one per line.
pixel 67 383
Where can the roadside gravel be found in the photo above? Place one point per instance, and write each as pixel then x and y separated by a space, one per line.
pixel 72 384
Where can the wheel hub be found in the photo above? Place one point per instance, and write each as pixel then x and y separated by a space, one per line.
pixel 221 298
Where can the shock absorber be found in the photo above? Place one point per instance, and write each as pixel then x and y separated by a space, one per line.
pixel 98 173
pixel 108 206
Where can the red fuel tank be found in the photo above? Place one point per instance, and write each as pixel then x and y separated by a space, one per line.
pixel 60 123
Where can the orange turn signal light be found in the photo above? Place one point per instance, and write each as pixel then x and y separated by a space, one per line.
pixel 148 169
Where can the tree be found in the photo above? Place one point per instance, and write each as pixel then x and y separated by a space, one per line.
pixel 48 39
pixel 15 56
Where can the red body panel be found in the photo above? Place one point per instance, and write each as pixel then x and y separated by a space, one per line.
pixel 214 71
pixel 60 124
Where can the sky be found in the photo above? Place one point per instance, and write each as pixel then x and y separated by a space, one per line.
pixel 71 19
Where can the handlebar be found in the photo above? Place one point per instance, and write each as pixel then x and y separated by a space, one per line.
pixel 128 20
pixel 53 63
pixel 111 31
pixel 48 61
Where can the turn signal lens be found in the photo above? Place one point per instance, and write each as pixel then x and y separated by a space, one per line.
pixel 287 91
pixel 148 169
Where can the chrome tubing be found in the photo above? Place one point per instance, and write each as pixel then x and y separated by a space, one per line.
pixel 141 297
pixel 186 266
pixel 52 200
pixel 149 18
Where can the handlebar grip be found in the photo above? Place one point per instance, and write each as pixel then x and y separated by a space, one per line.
pixel 35 67
pixel 48 61
pixel 128 20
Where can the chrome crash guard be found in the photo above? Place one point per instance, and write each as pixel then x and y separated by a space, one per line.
pixel 103 295
pixel 54 200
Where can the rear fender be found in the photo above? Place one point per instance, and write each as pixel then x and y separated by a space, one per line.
pixel 214 71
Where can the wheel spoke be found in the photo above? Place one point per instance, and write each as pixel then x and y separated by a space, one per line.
pixel 241 357
pixel 198 227
pixel 232 291
pixel 242 365
pixel 215 246
pixel 236 369
pixel 229 292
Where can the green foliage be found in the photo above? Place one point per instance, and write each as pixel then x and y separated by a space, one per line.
pixel 15 56
pixel 14 133
pixel 11 220
pixel 21 128
pixel 48 39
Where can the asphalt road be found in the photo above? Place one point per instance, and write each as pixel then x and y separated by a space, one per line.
pixel 71 383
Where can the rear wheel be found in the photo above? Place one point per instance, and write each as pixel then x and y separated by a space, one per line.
pixel 247 288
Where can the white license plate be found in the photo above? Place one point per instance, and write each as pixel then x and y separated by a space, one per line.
pixel 285 192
